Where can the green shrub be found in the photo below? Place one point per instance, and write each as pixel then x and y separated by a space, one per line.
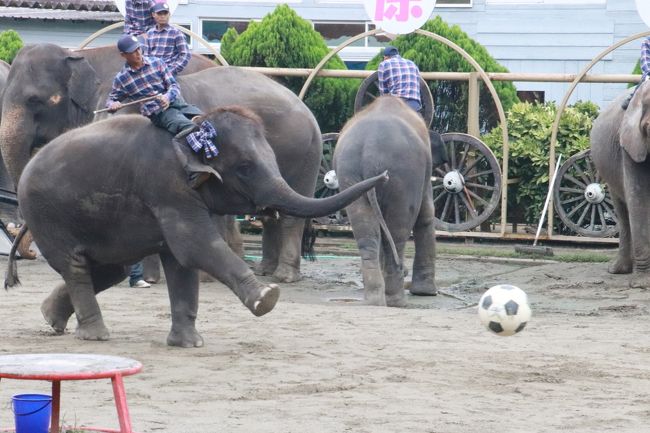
pixel 10 43
pixel 450 97
pixel 529 135
pixel 284 40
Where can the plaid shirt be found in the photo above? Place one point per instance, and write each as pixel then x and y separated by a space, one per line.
pixel 152 78
pixel 645 58
pixel 399 77
pixel 138 17
pixel 168 44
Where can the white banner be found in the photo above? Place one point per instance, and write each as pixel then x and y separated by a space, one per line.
pixel 399 16
pixel 643 6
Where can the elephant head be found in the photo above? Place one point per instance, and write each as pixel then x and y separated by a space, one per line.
pixel 635 128
pixel 247 178
pixel 39 103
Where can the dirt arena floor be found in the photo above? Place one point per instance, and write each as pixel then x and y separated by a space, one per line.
pixel 322 363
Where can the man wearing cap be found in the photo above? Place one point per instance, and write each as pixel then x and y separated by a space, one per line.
pixel 167 42
pixel 143 77
pixel 137 17
pixel 399 77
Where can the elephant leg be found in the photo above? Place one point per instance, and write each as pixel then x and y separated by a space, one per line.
pixel 288 269
pixel 151 269
pixel 393 272
pixel 637 177
pixel 183 288
pixel 423 280
pixel 271 244
pixel 57 307
pixel 623 263
pixel 367 233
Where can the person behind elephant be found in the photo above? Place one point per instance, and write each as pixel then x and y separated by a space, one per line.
pixel 399 77
pixel 644 63
pixel 146 77
pixel 167 42
pixel 138 19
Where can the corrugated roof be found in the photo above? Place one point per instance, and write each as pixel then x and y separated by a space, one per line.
pixel 77 5
pixel 58 14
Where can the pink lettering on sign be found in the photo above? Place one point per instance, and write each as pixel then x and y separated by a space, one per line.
pixel 397 10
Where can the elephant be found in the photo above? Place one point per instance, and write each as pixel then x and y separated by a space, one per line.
pixel 620 140
pixel 103 196
pixel 52 89
pixel 388 135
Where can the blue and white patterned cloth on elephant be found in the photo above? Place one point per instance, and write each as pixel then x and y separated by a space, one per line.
pixel 202 139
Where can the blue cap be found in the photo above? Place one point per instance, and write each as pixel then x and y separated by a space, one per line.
pixel 158 7
pixel 128 44
pixel 390 51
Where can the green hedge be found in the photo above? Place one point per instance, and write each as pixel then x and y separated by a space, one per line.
pixel 10 43
pixel 529 135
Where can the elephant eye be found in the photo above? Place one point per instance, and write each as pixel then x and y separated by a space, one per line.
pixel 34 101
pixel 244 169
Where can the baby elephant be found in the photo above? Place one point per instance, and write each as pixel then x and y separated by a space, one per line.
pixel 388 135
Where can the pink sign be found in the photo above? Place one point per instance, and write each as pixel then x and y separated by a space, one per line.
pixel 399 16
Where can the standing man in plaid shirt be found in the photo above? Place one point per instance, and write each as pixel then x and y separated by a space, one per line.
pixel 167 42
pixel 138 19
pixel 644 62
pixel 143 77
pixel 399 77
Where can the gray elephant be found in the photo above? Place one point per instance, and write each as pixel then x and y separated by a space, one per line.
pixel 107 194
pixel 388 135
pixel 620 140
pixel 52 89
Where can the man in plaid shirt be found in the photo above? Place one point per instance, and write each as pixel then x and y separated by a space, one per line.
pixel 399 77
pixel 644 62
pixel 138 19
pixel 143 77
pixel 167 42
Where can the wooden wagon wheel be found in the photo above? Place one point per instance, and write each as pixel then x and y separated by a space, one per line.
pixel 324 187
pixel 466 190
pixel 581 198
pixel 369 91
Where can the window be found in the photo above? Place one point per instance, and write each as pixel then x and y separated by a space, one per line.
pixel 213 30
pixel 531 96
pixel 454 3
pixel 337 33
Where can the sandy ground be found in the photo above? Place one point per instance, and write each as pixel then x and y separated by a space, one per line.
pixel 321 362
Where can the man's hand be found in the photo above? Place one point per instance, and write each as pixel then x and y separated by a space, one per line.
pixel 114 106
pixel 164 101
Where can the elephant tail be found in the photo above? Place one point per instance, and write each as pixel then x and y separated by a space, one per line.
pixel 372 197
pixel 11 277
pixel 309 235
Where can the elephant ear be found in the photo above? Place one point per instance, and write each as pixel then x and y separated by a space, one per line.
pixel 83 82
pixel 631 136
pixel 190 160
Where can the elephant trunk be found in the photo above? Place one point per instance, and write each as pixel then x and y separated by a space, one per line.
pixel 280 196
pixel 15 141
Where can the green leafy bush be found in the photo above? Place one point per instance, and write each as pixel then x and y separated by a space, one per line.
pixel 450 97
pixel 283 39
pixel 10 43
pixel 529 135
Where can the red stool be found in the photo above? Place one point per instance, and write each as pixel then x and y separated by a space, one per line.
pixel 56 367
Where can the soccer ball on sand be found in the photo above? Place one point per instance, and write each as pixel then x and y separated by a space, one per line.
pixel 504 309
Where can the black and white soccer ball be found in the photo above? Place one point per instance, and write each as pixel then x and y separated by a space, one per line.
pixel 504 309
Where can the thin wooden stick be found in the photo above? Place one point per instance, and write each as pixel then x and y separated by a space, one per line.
pixel 139 101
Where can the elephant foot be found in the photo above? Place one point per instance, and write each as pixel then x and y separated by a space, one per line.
pixel 264 300
pixel 398 301
pixel 188 337
pixel 286 274
pixel 640 281
pixel 54 314
pixel 620 266
pixel 264 268
pixel 422 288
pixel 95 331
pixel 375 299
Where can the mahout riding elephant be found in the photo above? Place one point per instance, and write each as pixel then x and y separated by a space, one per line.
pixel 52 89
pixel 105 195
pixel 620 141
pixel 388 135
